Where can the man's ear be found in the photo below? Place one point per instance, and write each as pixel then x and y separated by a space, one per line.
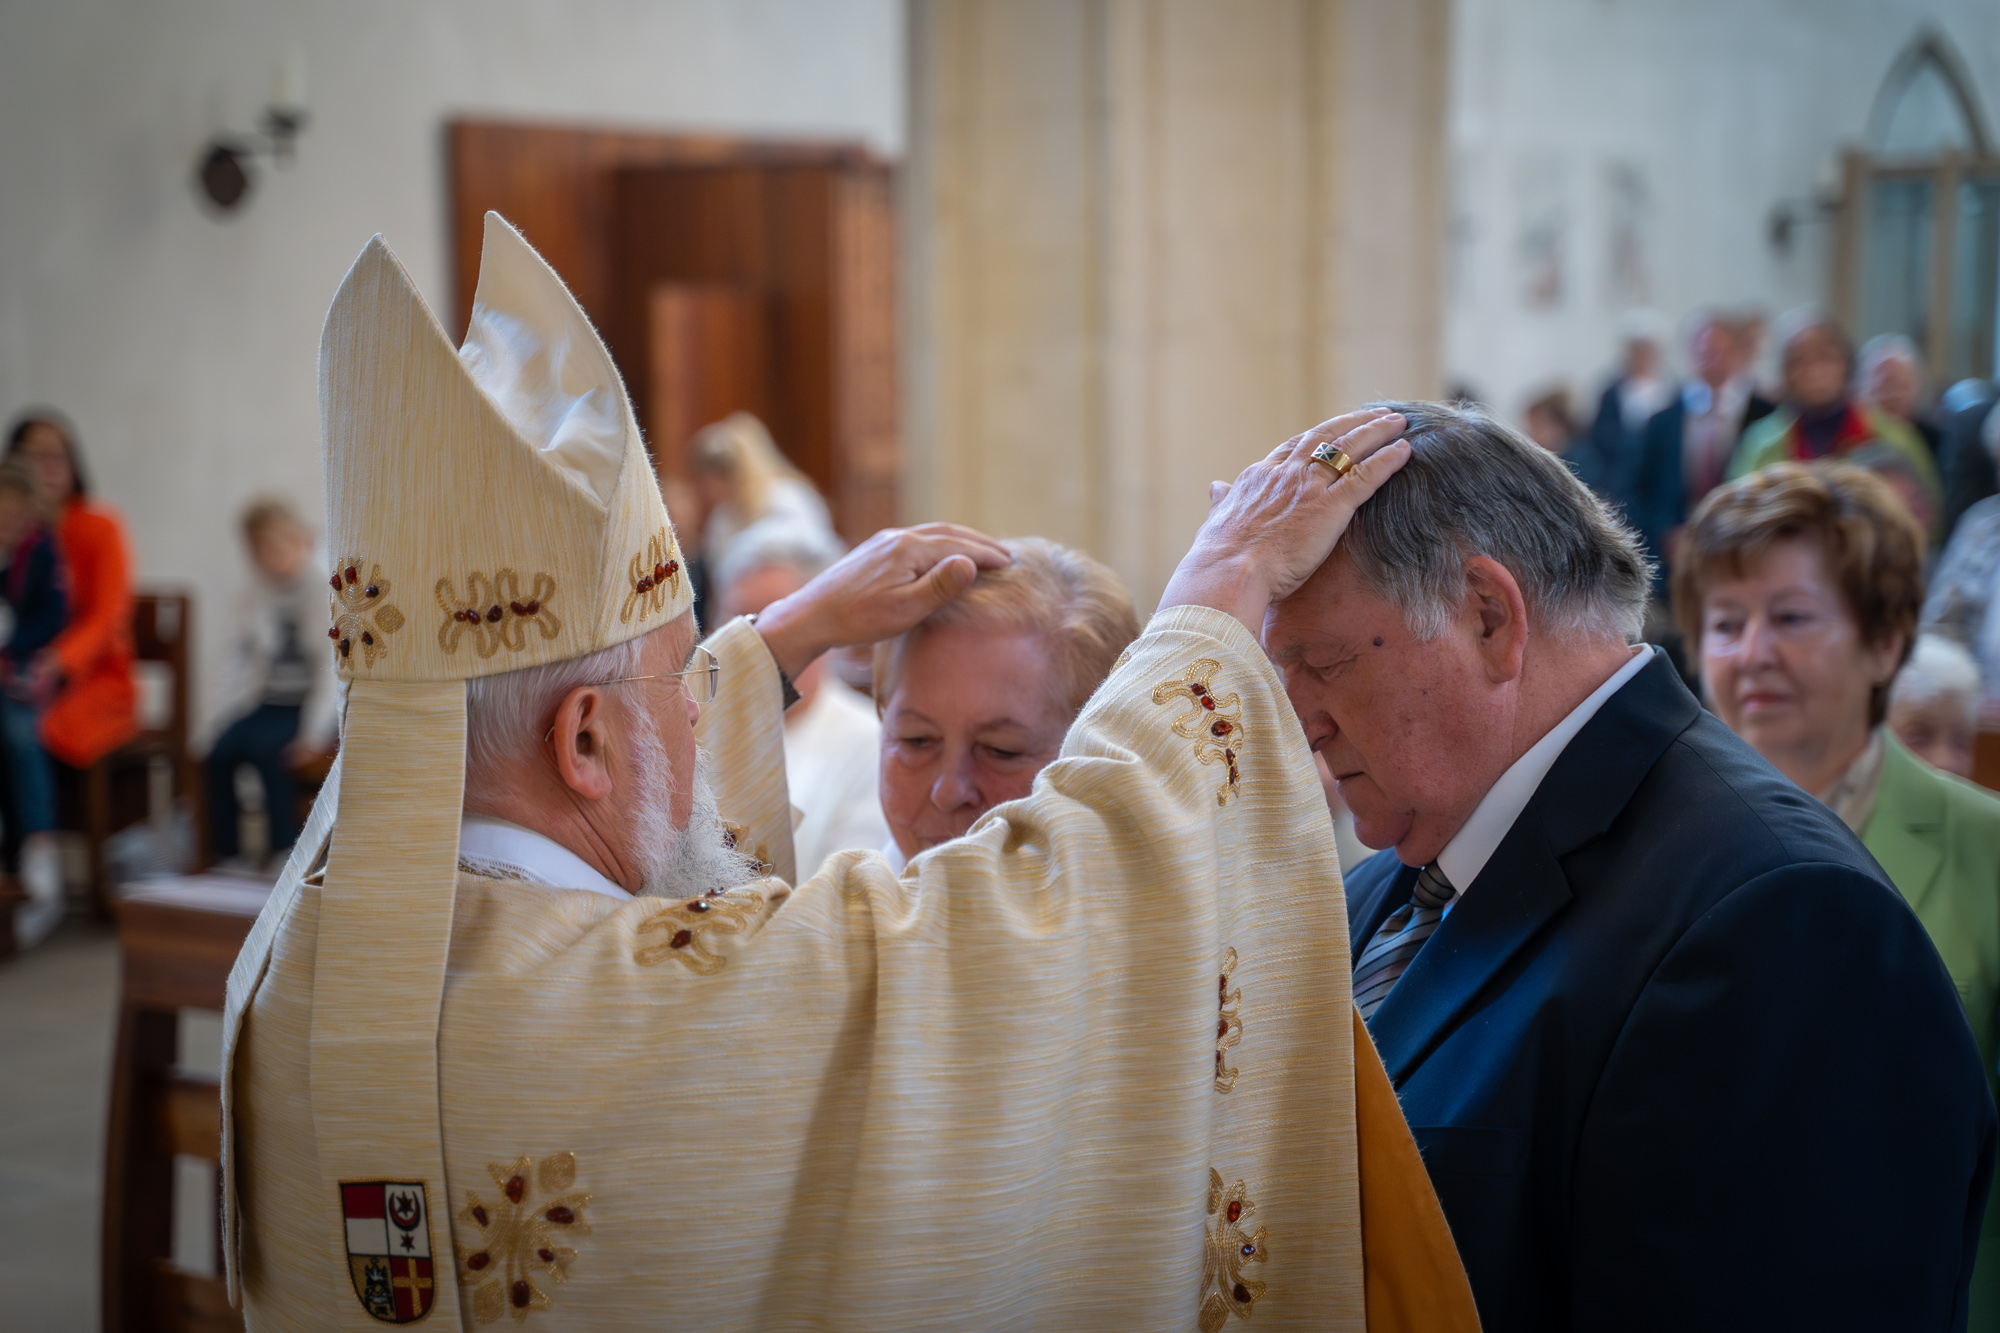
pixel 578 742
pixel 1494 598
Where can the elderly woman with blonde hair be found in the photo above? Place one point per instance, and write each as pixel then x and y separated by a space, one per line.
pixel 976 700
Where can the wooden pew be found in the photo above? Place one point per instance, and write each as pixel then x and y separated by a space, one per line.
pixel 179 938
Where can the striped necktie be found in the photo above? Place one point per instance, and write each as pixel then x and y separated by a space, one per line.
pixel 1397 942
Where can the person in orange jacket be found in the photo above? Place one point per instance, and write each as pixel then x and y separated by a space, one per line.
pixel 89 666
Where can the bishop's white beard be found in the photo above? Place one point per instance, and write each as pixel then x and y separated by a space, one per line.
pixel 684 862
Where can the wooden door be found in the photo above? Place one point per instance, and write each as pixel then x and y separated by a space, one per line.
pixel 719 271
pixel 708 355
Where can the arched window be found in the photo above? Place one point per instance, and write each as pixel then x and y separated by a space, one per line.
pixel 1926 106
pixel 1920 224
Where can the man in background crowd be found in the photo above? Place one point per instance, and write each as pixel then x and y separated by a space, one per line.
pixel 1686 445
pixel 1640 389
pixel 1892 379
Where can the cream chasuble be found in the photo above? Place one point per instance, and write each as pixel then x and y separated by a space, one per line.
pixel 1093 1065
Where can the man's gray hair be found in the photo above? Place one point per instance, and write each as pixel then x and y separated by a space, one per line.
pixel 1475 487
pixel 506 713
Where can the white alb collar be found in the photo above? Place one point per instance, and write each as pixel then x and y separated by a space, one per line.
pixel 500 850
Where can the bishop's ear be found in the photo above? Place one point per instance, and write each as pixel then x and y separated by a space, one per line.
pixel 578 742
pixel 1494 598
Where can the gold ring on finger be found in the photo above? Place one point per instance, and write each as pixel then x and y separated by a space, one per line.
pixel 1335 458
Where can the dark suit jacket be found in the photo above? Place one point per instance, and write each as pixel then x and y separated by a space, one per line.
pixel 1656 488
pixel 1681 1057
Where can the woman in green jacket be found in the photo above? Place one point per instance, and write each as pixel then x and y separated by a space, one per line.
pixel 1820 418
pixel 1799 588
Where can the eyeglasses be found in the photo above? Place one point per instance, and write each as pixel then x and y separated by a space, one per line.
pixel 703 676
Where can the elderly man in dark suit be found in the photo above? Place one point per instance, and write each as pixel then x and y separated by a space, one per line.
pixel 1685 447
pixel 1676 1052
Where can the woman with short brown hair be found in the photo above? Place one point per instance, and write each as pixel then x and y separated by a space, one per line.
pixel 1798 589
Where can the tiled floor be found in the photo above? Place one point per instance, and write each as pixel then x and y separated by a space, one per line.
pixel 56 1012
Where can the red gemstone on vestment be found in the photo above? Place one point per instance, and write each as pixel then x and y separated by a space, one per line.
pixel 368 638
pixel 1249 1249
pixel 351 575
pixel 681 939
pixel 514 1187
pixel 1242 1294
pixel 1235 1209
pixel 1221 727
pixel 521 1295
pixel 1222 1028
pixel 344 647
pixel 479 1216
pixel 561 1216
pixel 1197 689
pixel 493 614
pixel 533 606
pixel 371 591
pixel 546 1255
pixel 517 608
pixel 335 580
pixel 697 906
pixel 1222 988
pixel 673 567
pixel 333 633
pixel 478 1261
pixel 1208 703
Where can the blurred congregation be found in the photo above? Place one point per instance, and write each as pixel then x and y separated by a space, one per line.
pixel 885 263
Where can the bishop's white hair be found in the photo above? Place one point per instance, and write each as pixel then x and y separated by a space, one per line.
pixel 506 714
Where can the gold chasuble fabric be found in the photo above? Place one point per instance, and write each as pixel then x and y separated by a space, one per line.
pixel 1092 1066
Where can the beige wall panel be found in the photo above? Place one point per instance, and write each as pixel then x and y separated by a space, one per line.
pixel 1126 219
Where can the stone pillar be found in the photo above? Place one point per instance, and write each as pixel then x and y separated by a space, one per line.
pixel 1146 240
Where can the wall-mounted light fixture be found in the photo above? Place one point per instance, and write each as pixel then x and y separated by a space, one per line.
pixel 1823 205
pixel 224 172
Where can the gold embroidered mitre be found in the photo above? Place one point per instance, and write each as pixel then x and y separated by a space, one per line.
pixel 492 506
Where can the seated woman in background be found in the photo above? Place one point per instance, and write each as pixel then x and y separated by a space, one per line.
pixel 279 699
pixel 1799 587
pixel 832 736
pixel 976 700
pixel 1934 704
pixel 89 666
pixel 743 479
pixel 32 609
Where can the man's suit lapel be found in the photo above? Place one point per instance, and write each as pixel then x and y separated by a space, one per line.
pixel 1523 886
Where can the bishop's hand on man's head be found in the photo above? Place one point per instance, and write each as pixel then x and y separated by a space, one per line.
pixel 1279 521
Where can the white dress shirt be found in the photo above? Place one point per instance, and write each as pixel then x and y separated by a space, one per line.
pixel 500 850
pixel 1473 845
